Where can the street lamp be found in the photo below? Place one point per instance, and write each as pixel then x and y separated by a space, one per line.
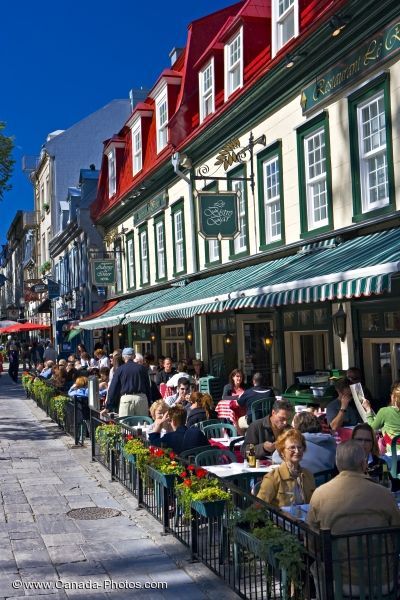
pixel 339 320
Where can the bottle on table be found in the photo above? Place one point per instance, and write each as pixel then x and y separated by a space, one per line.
pixel 251 456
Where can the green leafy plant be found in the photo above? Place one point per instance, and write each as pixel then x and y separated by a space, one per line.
pixel 275 543
pixel 197 486
pixel 46 266
pixel 59 405
pixel 109 436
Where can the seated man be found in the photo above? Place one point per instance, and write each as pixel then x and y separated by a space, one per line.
pixel 257 392
pixel 263 432
pixel 342 411
pixel 350 502
pixel 47 371
pixel 181 397
pixel 180 438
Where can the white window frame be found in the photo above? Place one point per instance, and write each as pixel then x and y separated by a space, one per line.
pixel 213 250
pixel 160 249
pixel 144 257
pixel 179 241
pixel 118 273
pixel 311 182
pixel 364 157
pixel 277 23
pixel 112 173
pixel 130 251
pixel 240 241
pixel 207 96
pixel 162 125
pixel 137 148
pixel 272 199
pixel 231 68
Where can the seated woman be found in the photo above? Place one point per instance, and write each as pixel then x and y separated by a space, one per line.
pixel 79 388
pixel 365 435
pixel 289 483
pixel 157 410
pixel 388 418
pixel 320 453
pixel 103 381
pixel 201 408
pixel 235 387
pixel 180 438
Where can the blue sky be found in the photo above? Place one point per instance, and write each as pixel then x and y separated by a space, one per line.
pixel 63 60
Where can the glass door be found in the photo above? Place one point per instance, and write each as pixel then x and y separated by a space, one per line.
pixel 257 355
pixel 381 366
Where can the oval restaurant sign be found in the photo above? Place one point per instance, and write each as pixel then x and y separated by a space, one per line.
pixel 218 214
pixel 103 271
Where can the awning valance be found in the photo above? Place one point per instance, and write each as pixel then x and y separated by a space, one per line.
pixel 358 267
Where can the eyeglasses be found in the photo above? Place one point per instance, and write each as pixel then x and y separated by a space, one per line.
pixel 367 440
pixel 294 448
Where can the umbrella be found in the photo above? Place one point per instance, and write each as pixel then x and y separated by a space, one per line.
pixel 19 327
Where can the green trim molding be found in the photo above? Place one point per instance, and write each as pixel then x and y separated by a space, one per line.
pixel 321 120
pixel 381 83
pixel 275 149
pixel 129 283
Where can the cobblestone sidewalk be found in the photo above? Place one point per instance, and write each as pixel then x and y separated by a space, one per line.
pixel 45 553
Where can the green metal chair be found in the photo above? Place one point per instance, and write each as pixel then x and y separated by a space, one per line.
pixel 218 429
pixel 324 476
pixel 133 421
pixel 214 456
pixel 190 455
pixel 261 408
pixel 203 424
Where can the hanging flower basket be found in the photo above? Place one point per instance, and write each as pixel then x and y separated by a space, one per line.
pixel 209 509
pixel 167 481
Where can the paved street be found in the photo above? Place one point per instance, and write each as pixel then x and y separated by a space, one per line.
pixel 42 477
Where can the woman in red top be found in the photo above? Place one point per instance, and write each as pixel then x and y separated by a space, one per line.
pixel 235 387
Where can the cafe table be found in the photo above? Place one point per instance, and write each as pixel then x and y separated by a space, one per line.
pixel 225 443
pixel 240 474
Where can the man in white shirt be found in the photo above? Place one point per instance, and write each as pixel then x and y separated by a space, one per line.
pixel 182 394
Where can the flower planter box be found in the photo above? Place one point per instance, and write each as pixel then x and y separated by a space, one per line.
pixel 167 481
pixel 131 458
pixel 209 509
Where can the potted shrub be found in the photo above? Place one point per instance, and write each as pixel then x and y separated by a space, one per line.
pixel 200 492
pixel 109 437
pixel 46 266
pixel 59 406
pixel 255 531
pixel 162 466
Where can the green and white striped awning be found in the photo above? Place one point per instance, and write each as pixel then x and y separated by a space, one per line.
pixel 337 270
pixel 202 296
pixel 115 315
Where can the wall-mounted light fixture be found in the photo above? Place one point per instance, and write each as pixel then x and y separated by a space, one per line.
pixel 228 339
pixel 268 337
pixel 189 333
pixel 292 59
pixel 153 336
pixel 339 320
pixel 337 23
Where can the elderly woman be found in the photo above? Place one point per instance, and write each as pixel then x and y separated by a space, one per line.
pixel 201 408
pixel 289 483
pixel 388 418
pixel 157 411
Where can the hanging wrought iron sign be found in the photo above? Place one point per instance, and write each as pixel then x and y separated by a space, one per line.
pixel 218 217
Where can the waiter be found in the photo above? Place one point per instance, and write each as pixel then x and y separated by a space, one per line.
pixel 129 388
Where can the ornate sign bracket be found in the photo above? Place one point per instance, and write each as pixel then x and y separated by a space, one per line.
pixel 229 154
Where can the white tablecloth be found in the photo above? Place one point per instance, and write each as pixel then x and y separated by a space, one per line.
pixel 237 469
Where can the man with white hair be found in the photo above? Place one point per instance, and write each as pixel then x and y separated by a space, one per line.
pixel 130 388
pixel 352 501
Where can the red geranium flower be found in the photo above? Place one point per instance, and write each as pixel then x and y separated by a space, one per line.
pixel 172 455
pixel 191 468
pixel 187 482
pixel 183 474
pixel 200 473
pixel 129 437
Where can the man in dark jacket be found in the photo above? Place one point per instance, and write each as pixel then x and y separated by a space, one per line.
pixel 263 432
pixel 129 388
pixel 166 373
pixel 181 438
pixel 257 392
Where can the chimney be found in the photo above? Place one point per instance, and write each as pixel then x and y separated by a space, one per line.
pixel 175 54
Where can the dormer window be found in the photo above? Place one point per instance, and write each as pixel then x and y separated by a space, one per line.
pixel 162 120
pixel 234 64
pixel 206 91
pixel 285 22
pixel 112 173
pixel 136 148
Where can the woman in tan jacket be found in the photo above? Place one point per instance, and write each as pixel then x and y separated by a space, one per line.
pixel 289 483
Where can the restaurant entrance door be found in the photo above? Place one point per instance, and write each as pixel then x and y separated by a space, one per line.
pixel 255 356
pixel 381 366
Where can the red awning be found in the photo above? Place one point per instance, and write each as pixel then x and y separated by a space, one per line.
pixel 106 306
